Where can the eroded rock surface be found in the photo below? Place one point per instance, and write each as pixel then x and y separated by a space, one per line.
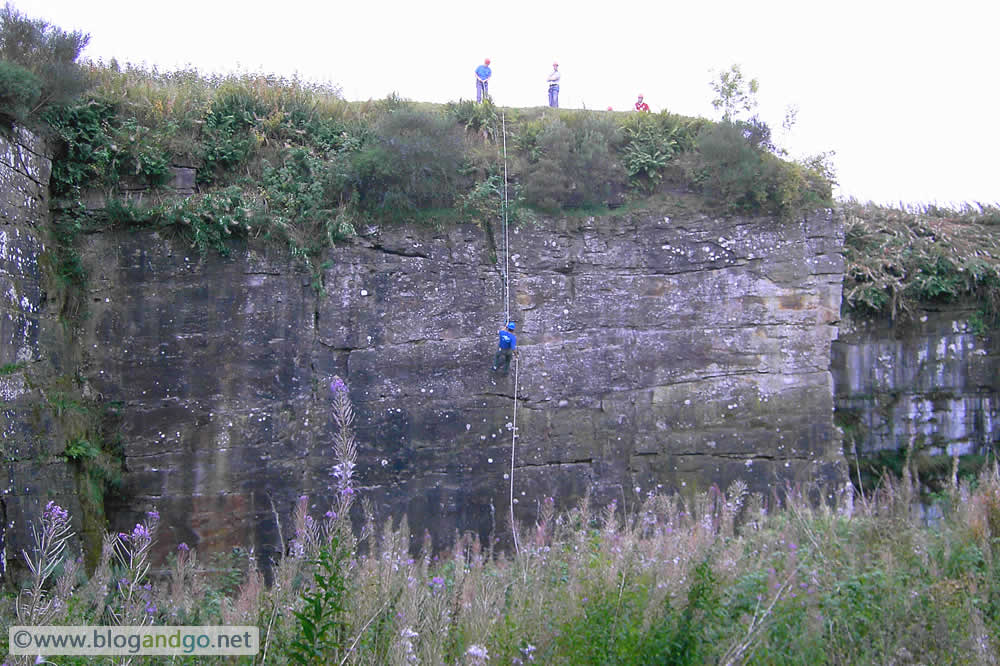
pixel 659 352
pixel 33 350
pixel 931 384
pixel 656 354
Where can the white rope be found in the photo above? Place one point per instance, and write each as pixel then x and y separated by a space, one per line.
pixel 513 439
pixel 506 300
pixel 506 237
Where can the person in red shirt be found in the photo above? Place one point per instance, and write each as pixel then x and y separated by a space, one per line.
pixel 641 106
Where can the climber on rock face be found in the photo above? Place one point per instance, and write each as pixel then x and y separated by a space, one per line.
pixel 507 347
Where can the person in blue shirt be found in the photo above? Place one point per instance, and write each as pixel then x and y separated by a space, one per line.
pixel 506 348
pixel 483 73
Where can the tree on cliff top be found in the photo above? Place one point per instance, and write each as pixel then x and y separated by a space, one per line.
pixel 733 93
pixel 37 64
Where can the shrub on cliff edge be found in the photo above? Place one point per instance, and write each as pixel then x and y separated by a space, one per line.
pixel 737 169
pixel 572 162
pixel 48 53
pixel 19 91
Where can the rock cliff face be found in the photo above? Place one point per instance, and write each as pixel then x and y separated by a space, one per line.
pixel 656 353
pixel 932 383
pixel 32 345
pixel 659 351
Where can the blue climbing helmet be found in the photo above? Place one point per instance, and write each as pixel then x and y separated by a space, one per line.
pixel 510 326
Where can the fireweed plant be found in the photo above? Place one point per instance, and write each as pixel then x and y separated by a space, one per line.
pixel 718 577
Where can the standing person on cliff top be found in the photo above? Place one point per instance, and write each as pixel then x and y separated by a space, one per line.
pixel 554 86
pixel 483 74
pixel 641 106
pixel 506 348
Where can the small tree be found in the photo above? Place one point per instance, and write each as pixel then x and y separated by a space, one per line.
pixel 733 93
pixel 47 52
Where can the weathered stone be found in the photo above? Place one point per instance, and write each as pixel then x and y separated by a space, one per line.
pixel 658 352
pixel 24 178
pixel 932 383
pixel 32 440
pixel 183 179
pixel 675 353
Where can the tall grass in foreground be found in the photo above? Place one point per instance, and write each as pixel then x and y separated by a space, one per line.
pixel 716 578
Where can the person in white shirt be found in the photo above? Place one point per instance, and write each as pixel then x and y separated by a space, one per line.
pixel 554 86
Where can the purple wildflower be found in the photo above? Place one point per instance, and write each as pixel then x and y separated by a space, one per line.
pixel 54 512
pixel 478 653
pixel 337 385
pixel 153 515
pixel 332 515
pixel 183 547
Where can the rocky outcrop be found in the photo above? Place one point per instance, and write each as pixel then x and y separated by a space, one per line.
pixel 931 383
pixel 660 351
pixel 32 348
pixel 656 354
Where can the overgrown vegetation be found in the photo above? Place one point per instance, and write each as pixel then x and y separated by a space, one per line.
pixel 311 169
pixel 37 65
pixel 897 259
pixel 292 161
pixel 727 578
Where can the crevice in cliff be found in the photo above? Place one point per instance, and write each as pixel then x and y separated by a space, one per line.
pixel 334 348
pixel 620 270
pixel 556 463
pixel 399 253
pixel 319 290
pixel 742 457
pixel 506 396
pixel 493 258
pixel 491 245
pixel 22 167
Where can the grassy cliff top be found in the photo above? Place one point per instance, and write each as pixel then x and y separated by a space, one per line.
pixel 396 158
pixel 293 160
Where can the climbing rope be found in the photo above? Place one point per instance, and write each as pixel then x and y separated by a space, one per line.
pixel 513 441
pixel 506 300
pixel 506 237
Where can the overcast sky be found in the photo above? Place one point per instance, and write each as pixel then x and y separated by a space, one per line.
pixel 906 93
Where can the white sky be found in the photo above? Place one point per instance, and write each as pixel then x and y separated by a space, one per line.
pixel 906 93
